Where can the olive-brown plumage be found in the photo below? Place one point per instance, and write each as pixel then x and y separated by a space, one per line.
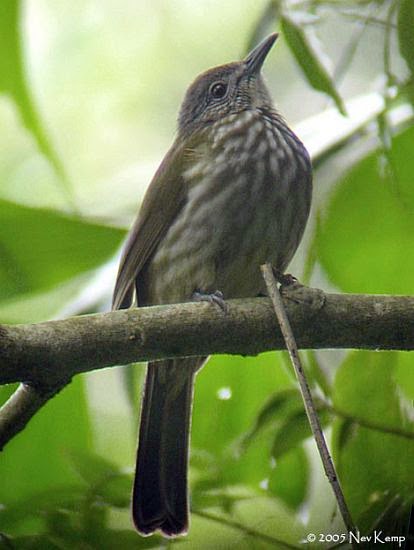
pixel 233 192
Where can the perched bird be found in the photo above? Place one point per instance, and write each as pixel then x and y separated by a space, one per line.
pixel 233 192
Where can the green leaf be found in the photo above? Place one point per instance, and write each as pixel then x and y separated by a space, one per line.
pixel 268 516
pixel 345 431
pixel 35 542
pixel 316 373
pixel 365 241
pixel 38 505
pixel 93 469
pixel 309 60
pixel 42 305
pixel 284 419
pixel 246 383
pixel 272 411
pixel 116 491
pixel 41 248
pixel 13 82
pixel 293 430
pixel 81 525
pixel 372 463
pixel 106 481
pixel 132 378
pixel 404 375
pixel 392 515
pixel 35 460
pixel 406 32
pixel 224 497
pixel 289 478
pixel 108 539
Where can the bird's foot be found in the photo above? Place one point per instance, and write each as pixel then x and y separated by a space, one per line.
pixel 290 287
pixel 215 297
pixel 293 290
pixel 285 279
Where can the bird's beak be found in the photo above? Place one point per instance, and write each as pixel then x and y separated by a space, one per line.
pixel 256 57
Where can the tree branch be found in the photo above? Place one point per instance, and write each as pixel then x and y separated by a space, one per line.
pixel 49 354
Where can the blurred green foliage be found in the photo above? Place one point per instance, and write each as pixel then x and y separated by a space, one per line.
pixel 13 81
pixel 377 215
pixel 30 238
pixel 86 87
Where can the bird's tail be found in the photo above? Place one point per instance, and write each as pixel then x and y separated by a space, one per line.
pixel 160 499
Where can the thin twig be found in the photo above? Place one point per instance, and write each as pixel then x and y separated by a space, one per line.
pixel 368 19
pixel 244 529
pixel 310 408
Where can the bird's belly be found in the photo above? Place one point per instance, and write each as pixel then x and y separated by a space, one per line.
pixel 220 239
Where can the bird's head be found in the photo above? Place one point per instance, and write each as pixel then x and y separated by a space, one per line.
pixel 226 89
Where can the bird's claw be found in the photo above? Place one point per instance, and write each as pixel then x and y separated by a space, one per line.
pixel 215 297
pixel 285 279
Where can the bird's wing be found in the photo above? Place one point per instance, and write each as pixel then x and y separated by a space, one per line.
pixel 164 198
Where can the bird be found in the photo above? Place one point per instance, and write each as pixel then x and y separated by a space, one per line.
pixel 233 192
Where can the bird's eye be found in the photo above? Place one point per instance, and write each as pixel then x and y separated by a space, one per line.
pixel 218 90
